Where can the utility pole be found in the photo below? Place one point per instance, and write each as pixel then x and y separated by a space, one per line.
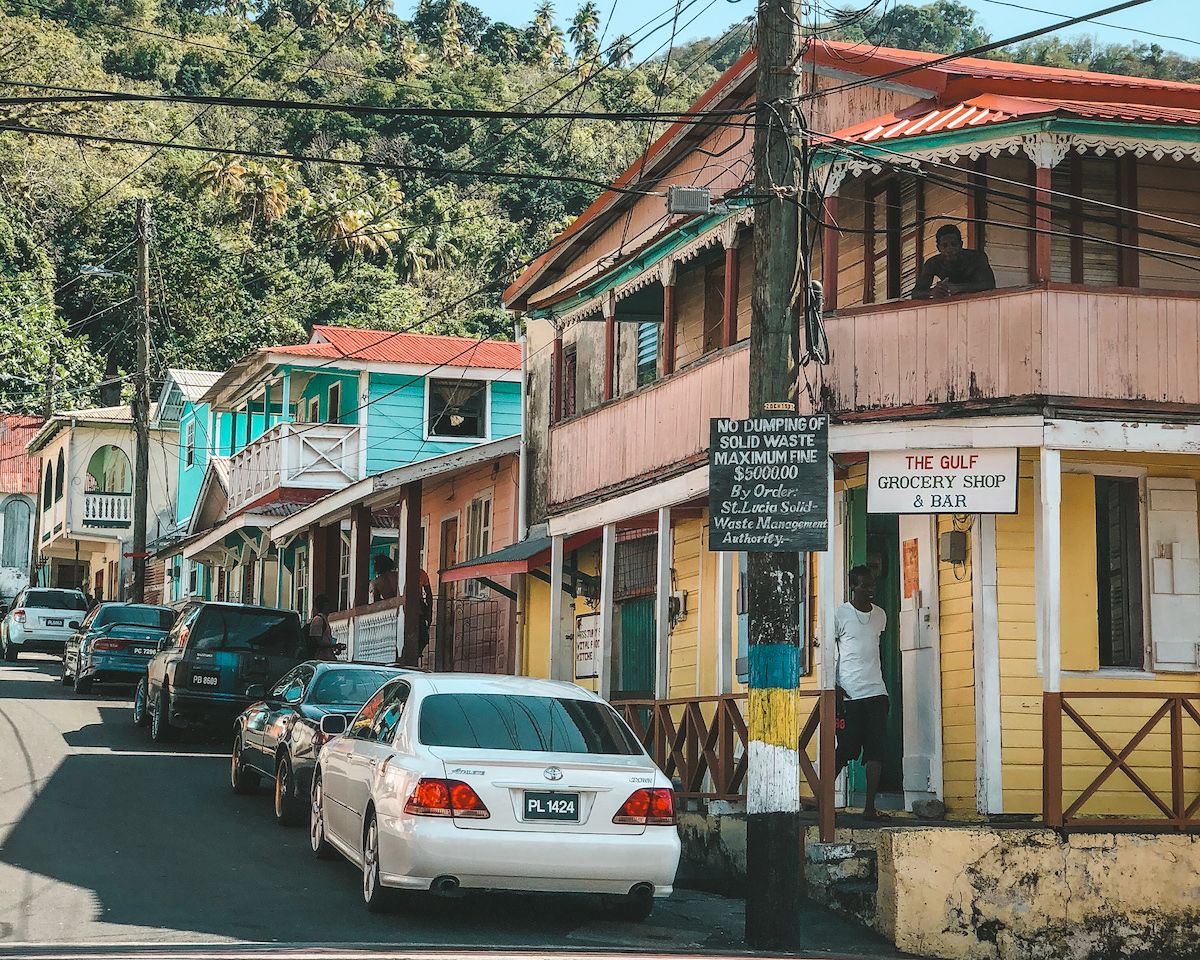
pixel 141 405
pixel 774 832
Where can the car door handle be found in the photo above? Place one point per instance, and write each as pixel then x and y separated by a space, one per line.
pixel 372 762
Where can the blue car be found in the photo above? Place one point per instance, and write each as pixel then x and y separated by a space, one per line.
pixel 114 643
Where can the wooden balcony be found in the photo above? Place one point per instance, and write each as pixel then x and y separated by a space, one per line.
pixel 1057 341
pixel 313 456
pixel 650 433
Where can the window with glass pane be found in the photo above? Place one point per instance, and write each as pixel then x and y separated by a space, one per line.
pixel 479 537
pixel 190 456
pixel 457 408
pixel 344 574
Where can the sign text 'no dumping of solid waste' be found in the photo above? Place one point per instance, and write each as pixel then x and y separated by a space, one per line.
pixel 768 484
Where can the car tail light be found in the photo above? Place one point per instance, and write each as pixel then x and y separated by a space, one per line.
pixel 109 645
pixel 648 807
pixel 18 616
pixel 445 798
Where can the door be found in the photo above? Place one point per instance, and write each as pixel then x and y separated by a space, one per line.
pixel 635 676
pixel 341 767
pixel 919 647
pixel 372 747
pixel 873 539
pixel 447 608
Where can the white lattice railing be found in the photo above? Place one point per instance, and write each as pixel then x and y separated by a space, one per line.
pixel 318 456
pixel 103 509
pixel 372 633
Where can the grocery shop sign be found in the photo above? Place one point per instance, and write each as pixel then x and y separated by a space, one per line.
pixel 943 481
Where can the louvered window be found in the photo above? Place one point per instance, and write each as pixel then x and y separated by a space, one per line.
pixel 647 353
pixel 1084 247
pixel 895 214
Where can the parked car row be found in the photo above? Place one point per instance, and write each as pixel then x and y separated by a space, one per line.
pixel 429 783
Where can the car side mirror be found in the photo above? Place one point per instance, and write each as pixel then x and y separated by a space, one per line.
pixel 257 691
pixel 74 624
pixel 333 724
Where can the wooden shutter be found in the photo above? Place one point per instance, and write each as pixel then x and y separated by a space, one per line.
pixel 1174 546
pixel 908 228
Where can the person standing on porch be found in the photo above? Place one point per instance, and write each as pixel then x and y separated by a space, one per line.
pixel 862 696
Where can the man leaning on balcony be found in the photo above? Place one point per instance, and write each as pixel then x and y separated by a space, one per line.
pixel 955 269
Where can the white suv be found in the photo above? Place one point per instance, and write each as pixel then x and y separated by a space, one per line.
pixel 41 620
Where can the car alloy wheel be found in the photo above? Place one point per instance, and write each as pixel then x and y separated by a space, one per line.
pixel 160 725
pixel 286 812
pixel 241 779
pixel 375 896
pixel 316 823
pixel 141 716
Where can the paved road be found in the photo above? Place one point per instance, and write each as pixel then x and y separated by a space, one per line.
pixel 108 840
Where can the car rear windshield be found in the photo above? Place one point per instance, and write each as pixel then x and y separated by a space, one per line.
pixel 351 687
pixel 275 632
pixel 134 616
pixel 55 600
pixel 492 721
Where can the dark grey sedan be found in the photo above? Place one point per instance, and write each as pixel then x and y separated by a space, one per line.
pixel 279 737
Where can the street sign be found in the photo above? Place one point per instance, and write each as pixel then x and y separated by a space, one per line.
pixel 768 484
pixel 587 643
pixel 942 481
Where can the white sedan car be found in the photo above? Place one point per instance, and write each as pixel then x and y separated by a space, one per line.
pixel 458 781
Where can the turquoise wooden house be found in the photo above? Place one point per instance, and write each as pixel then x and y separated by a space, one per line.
pixel 299 422
pixel 203 435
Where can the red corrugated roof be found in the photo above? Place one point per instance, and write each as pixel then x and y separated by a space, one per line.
pixel 19 472
pixel 931 117
pixel 418 348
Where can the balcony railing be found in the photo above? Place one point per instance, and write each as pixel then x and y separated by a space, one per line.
pixel 660 428
pixel 1056 341
pixel 105 509
pixel 315 456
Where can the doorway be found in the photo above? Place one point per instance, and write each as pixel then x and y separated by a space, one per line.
pixel 874 539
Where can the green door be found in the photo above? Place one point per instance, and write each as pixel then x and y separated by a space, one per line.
pixel 874 539
pixel 636 677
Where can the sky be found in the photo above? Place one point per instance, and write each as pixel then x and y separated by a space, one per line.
pixel 712 17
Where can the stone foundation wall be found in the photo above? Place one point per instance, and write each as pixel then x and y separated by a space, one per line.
pixel 1033 895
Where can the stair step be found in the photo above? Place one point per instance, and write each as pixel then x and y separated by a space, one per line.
pixel 851 898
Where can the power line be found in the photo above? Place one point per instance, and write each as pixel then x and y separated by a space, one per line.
pixel 86 95
pixel 1111 26
pixel 309 158
pixel 971 51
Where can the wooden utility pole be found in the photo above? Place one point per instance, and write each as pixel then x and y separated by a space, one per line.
pixel 774 833
pixel 141 406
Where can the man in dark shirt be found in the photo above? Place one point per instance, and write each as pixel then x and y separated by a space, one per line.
pixel 955 269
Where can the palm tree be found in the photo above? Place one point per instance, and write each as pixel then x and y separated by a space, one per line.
pixel 547 36
pixel 223 176
pixel 410 60
pixel 450 40
pixel 583 31
pixel 620 54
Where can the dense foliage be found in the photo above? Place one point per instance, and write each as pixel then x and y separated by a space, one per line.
pixel 249 251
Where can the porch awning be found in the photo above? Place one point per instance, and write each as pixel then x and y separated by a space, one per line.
pixel 523 557
pixel 515 558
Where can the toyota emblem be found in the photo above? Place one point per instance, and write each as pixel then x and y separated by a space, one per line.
pixel 552 773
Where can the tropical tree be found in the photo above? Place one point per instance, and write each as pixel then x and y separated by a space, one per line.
pixel 226 176
pixel 546 36
pixel 620 53
pixel 583 31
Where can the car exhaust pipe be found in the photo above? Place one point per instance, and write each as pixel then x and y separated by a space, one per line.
pixel 445 886
pixel 642 890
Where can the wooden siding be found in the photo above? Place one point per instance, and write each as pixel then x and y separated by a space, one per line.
pixel 1021 684
pixel 1118 345
pixel 956 615
pixel 652 433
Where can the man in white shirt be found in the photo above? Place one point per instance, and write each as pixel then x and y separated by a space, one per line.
pixel 857 628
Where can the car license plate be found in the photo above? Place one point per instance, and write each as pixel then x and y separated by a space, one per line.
pixel 552 806
pixel 54 622
pixel 206 679
pixel 145 651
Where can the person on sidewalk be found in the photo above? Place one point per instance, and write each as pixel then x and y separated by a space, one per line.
pixel 862 696
pixel 319 634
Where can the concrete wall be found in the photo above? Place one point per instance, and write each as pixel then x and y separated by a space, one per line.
pixel 1031 894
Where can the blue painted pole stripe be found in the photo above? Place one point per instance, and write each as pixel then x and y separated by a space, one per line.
pixel 774 666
